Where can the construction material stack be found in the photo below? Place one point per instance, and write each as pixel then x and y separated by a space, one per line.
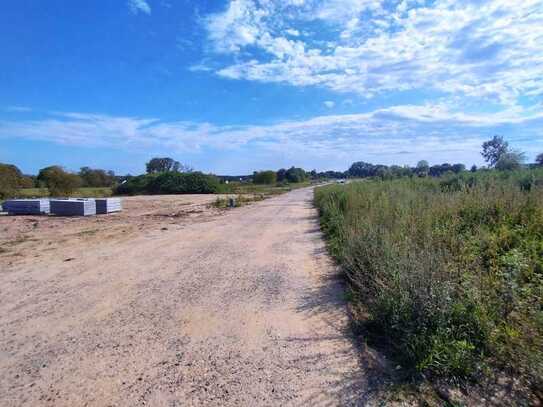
pixel 108 205
pixel 26 206
pixel 71 207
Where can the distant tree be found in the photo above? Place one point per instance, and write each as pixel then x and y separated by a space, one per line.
pixel 165 164
pixel 294 175
pixel 494 149
pixel 473 168
pixel 458 168
pixel 332 174
pixel 281 175
pixel 422 168
pixel 97 178
pixel 11 179
pixel 509 161
pixel 265 177
pixel 361 169
pixel 384 172
pixel 539 160
pixel 58 181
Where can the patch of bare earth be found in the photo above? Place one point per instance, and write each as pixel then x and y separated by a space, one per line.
pixel 175 303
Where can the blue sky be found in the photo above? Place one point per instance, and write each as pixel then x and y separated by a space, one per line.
pixel 240 85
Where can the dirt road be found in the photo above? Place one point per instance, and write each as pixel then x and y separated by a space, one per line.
pixel 241 309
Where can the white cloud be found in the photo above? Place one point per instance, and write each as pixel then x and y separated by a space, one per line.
pixel 329 104
pixel 139 6
pixel 490 49
pixel 292 32
pixel 425 131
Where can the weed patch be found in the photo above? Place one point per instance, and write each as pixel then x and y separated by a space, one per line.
pixel 448 273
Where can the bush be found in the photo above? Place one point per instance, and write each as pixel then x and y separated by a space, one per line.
pixel 96 178
pixel 265 177
pixel 11 179
pixel 448 274
pixel 58 181
pixel 170 183
pixel 294 174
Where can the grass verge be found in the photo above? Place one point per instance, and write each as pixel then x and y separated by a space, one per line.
pixel 79 193
pixel 446 275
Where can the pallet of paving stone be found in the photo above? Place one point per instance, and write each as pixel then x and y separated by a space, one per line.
pixel 108 205
pixel 26 206
pixel 72 207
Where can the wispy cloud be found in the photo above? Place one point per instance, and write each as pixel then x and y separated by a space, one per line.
pixel 139 6
pixel 424 131
pixel 17 109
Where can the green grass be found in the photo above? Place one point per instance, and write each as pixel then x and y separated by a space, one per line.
pixel 445 275
pixel 249 188
pixel 79 193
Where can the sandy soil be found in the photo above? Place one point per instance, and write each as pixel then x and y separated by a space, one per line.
pixel 174 303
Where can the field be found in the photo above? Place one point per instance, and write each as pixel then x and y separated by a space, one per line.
pixel 79 193
pixel 232 188
pixel 249 188
pixel 446 275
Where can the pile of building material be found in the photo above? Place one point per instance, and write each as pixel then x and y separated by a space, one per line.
pixel 26 206
pixel 108 205
pixel 71 207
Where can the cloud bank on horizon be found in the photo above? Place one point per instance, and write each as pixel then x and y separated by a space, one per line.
pixel 433 78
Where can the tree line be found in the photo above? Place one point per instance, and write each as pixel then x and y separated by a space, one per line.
pixel 60 182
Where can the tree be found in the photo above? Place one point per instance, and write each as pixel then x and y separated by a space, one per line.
pixel 510 161
pixel 493 150
pixel 265 177
pixel 11 179
pixel 97 178
pixel 458 168
pixel 361 169
pixel 539 160
pixel 422 168
pixel 165 164
pixel 58 181
pixel 294 175
pixel 473 168
pixel 281 175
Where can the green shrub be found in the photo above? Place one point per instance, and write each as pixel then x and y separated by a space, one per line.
pixel 9 180
pixel 265 177
pixel 58 181
pixel 170 183
pixel 448 273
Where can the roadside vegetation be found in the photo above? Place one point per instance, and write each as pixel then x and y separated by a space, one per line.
pixel 446 274
pixel 164 175
pixel 76 193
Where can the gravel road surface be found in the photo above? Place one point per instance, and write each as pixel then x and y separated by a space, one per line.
pixel 244 309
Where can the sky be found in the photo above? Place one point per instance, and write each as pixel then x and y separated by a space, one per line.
pixel 234 86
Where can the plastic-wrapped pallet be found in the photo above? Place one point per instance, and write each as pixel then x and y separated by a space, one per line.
pixel 26 206
pixel 108 205
pixel 71 207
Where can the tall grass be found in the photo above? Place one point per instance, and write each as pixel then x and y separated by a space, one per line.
pixel 447 274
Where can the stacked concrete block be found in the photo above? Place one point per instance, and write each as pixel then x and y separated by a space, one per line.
pixel 71 207
pixel 26 206
pixel 108 205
